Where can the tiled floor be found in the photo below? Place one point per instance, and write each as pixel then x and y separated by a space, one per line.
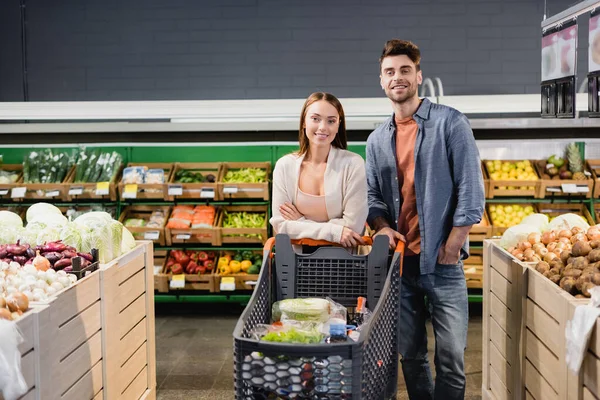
pixel 194 352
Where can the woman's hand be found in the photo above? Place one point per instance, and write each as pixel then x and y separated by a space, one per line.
pixel 290 212
pixel 350 238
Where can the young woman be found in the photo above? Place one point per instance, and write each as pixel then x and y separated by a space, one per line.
pixel 320 192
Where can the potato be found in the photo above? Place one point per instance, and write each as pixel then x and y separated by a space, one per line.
pixel 572 273
pixel 542 267
pixel 558 264
pixel 586 289
pixel 580 296
pixel 567 283
pixel 583 279
pixel 594 256
pixel 581 249
pixel 580 263
pixel 555 279
pixel 596 278
pixel 564 256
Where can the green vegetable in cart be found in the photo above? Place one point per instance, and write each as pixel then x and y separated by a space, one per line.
pixel 293 335
pixel 245 175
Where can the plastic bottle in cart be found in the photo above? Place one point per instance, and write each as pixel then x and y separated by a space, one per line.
pixel 359 313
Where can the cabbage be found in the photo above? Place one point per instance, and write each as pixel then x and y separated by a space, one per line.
pixel 37 211
pixel 94 219
pixel 516 234
pixel 568 221
pixel 70 235
pixel 10 234
pixel 48 234
pixel 10 219
pixel 128 241
pixel 538 220
pixel 54 220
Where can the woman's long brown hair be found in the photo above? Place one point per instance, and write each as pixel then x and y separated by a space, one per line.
pixel 340 140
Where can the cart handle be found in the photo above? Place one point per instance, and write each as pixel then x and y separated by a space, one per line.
pixel 270 243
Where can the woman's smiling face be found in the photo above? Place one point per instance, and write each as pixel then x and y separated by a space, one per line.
pixel 321 123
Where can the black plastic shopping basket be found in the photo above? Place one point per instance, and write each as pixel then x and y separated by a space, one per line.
pixel 365 369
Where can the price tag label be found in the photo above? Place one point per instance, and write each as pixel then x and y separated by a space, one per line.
pixel 587 173
pixel 207 194
pixel 583 189
pixel 3 192
pixel 177 281
pixel 175 190
pixel 227 284
pixel 76 191
pixel 152 235
pixel 130 191
pixel 18 193
pixel 569 188
pixel 52 193
pixel 230 189
pixel 102 188
pixel 549 165
pixel 183 236
pixel 157 269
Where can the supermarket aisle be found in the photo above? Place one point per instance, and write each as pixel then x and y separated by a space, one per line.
pixel 194 352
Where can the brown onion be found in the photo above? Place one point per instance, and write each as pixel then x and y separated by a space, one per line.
pixel 17 302
pixel 524 246
pixel 5 314
pixel 578 237
pixel 593 233
pixel 548 237
pixel 565 233
pixel 576 230
pixel 534 238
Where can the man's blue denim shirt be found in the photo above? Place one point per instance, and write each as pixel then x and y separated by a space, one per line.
pixel 448 179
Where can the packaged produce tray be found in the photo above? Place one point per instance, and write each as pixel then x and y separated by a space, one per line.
pixel 143 183
pixel 154 233
pixel 512 187
pixel 238 188
pixel 189 234
pixel 243 235
pixel 8 184
pixel 185 181
pixel 563 187
pixel 366 369
pixel 91 190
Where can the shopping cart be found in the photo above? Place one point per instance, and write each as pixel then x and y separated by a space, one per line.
pixel 366 369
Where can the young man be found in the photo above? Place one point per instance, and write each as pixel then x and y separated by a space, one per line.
pixel 425 188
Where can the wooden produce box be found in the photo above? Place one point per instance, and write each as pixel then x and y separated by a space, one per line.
pixel 594 167
pixel 6 188
pixel 91 190
pixel 554 187
pixel 37 191
pixel 70 348
pixel 511 187
pixel 481 231
pixel 555 209
pixel 129 351
pixel 238 239
pixel 156 235
pixel 233 190
pixel 499 230
pixel 243 281
pixel 211 236
pixel 504 280
pixel 147 191
pixel 197 282
pixel 486 181
pixel 195 191
pixel 473 267
pixel 161 280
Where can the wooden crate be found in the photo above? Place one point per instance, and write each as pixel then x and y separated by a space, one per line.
pixel 70 347
pixel 210 236
pixel 498 230
pixel 243 281
pixel 553 187
pixel 504 280
pixel 195 191
pixel 518 188
pixel 156 235
pixel 5 188
pixel 243 231
pixel 244 190
pixel 481 231
pixel 594 167
pixel 473 267
pixel 161 280
pixel 91 191
pixel 204 283
pixel 556 209
pixel 37 191
pixel 129 351
pixel 486 181
pixel 146 191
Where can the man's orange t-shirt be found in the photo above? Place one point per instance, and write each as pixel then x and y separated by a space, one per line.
pixel 408 220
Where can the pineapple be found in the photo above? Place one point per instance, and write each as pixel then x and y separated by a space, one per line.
pixel 575 162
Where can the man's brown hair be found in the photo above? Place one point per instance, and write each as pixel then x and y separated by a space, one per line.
pixel 397 47
pixel 340 140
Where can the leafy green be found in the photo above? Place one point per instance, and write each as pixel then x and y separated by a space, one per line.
pixel 293 335
pixel 245 175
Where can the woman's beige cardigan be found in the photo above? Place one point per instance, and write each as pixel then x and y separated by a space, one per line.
pixel 345 196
